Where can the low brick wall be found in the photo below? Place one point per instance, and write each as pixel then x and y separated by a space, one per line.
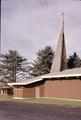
pixel 18 91
pixel 29 91
pixel 70 89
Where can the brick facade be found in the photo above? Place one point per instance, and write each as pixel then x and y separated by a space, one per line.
pixel 29 91
pixel 18 91
pixel 68 89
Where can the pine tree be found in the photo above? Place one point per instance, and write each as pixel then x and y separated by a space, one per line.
pixel 12 65
pixel 74 61
pixel 43 62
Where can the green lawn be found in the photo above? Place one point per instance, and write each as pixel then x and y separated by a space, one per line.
pixel 52 101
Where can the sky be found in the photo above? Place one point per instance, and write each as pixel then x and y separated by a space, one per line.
pixel 30 25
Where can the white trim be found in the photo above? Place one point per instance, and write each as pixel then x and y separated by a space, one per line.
pixel 60 76
pixel 11 84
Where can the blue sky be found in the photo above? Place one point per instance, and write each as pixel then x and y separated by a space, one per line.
pixel 29 25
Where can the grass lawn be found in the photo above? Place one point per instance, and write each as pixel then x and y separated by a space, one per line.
pixel 51 101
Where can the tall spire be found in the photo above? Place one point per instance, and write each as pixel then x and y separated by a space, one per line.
pixel 60 60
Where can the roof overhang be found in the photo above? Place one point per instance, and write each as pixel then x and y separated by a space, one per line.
pixel 45 77
pixel 27 83
pixel 62 76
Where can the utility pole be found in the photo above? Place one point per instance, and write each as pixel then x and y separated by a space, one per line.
pixel 0 28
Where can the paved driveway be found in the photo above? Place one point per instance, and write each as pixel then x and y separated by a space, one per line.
pixel 23 111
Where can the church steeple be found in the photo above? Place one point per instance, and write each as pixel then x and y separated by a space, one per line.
pixel 60 60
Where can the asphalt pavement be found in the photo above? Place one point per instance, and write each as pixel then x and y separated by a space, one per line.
pixel 10 110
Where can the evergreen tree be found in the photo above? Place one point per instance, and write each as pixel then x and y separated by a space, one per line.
pixel 11 65
pixel 43 62
pixel 74 61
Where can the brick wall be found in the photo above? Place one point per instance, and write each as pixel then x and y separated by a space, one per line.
pixel 70 89
pixel 29 91
pixel 18 91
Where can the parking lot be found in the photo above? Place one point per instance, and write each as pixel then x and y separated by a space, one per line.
pixel 10 110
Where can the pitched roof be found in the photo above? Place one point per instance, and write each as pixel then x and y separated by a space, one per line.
pixel 63 74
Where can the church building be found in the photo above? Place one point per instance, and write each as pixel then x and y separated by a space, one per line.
pixel 61 82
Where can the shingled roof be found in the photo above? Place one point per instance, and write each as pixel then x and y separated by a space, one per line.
pixel 68 73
